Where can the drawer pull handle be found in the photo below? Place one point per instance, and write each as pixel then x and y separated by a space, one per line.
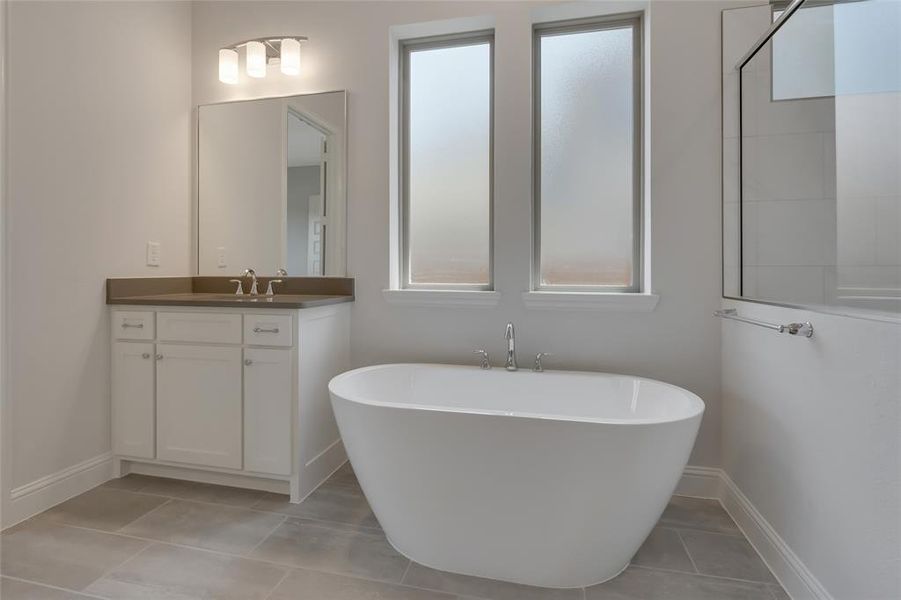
pixel 159 357
pixel 135 325
pixel 248 362
pixel 146 355
pixel 261 330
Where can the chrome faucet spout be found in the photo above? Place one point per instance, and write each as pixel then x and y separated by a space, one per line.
pixel 510 336
pixel 253 286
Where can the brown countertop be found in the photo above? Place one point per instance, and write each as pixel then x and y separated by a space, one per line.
pixel 277 301
pixel 299 292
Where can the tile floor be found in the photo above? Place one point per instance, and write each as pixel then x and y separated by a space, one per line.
pixel 147 538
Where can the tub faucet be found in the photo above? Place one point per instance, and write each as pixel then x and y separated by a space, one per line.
pixel 511 348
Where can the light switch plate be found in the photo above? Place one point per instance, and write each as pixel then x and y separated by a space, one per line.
pixel 153 254
pixel 221 259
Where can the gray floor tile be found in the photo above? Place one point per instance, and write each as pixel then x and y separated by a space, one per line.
pixel 11 589
pixel 637 583
pixel 698 513
pixel 334 548
pixel 103 508
pixel 302 584
pixel 478 587
pixel 62 556
pixel 341 503
pixel 345 476
pixel 664 550
pixel 176 573
pixel 725 556
pixel 211 526
pixel 200 492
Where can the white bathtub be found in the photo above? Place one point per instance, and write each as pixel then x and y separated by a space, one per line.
pixel 551 479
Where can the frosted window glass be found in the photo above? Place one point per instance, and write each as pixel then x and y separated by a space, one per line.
pixel 587 121
pixel 448 207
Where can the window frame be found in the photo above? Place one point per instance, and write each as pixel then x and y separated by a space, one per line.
pixel 407 47
pixel 634 21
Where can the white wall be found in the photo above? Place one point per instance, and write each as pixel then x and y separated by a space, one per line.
pixel 811 435
pixel 348 49
pixel 99 163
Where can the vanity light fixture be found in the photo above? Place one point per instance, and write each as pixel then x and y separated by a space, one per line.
pixel 259 53
pixel 256 59
pixel 228 66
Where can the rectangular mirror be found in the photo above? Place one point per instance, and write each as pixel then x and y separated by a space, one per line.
pixel 271 186
pixel 816 215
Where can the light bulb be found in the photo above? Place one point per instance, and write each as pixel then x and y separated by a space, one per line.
pixel 256 59
pixel 228 66
pixel 290 56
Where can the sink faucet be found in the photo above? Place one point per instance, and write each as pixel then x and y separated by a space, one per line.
pixel 253 286
pixel 511 348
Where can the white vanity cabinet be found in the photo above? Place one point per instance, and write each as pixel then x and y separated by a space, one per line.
pixel 198 405
pixel 228 395
pixel 133 374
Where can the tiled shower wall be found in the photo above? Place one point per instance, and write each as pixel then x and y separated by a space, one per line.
pixel 868 186
pixel 820 220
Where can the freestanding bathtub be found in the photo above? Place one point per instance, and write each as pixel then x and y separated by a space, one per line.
pixel 550 479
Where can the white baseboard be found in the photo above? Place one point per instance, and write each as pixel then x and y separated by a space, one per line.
pixel 799 582
pixel 700 482
pixel 32 498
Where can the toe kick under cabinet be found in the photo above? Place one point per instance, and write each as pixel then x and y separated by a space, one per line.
pixel 227 395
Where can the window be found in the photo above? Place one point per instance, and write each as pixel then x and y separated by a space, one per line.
pixel 587 188
pixel 446 162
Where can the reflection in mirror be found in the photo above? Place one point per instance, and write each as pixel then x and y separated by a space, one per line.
pixel 271 186
pixel 818 221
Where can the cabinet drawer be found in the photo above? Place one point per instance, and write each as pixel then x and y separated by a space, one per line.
pixel 133 325
pixel 216 328
pixel 268 330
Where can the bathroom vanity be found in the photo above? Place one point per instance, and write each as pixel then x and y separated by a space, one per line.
pixel 227 389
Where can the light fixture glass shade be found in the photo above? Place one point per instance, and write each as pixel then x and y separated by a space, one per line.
pixel 290 56
pixel 256 59
pixel 228 66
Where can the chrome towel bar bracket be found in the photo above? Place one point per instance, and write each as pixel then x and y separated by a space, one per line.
pixel 804 329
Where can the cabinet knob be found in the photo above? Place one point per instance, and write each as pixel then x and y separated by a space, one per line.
pixel 159 357
pixel 248 362
pixel 145 355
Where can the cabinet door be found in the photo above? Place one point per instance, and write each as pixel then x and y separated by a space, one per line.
pixel 198 398
pixel 132 399
pixel 268 391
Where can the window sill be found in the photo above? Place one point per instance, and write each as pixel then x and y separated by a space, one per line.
pixel 591 301
pixel 443 298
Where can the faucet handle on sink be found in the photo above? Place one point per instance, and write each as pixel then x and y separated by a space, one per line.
pixel 240 290
pixel 269 290
pixel 486 364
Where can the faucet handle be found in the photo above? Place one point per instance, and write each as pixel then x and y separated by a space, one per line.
pixel 537 368
pixel 240 290
pixel 269 290
pixel 486 364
